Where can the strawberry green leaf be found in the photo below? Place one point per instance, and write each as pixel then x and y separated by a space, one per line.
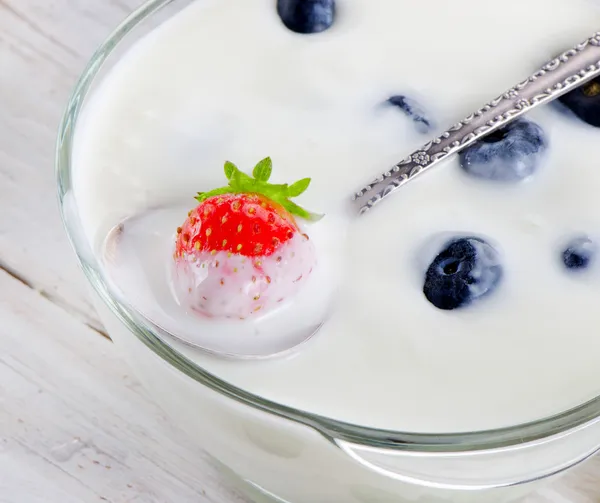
pixel 299 187
pixel 216 192
pixel 241 182
pixel 262 171
pixel 294 209
pixel 272 190
pixel 230 168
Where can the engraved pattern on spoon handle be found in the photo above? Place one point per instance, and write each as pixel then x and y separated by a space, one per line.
pixel 560 75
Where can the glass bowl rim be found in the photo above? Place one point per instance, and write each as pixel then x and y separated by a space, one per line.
pixel 334 430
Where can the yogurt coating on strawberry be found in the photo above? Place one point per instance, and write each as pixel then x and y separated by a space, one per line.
pixel 232 285
pixel 241 251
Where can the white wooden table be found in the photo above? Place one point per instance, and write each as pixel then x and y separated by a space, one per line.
pixel 75 426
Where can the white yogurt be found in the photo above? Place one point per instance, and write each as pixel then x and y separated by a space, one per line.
pixel 227 81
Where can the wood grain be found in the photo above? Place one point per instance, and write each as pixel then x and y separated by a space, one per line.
pixel 44 45
pixel 74 425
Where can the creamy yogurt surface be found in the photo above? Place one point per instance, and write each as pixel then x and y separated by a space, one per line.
pixel 226 80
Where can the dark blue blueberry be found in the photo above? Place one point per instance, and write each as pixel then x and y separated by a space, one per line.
pixel 465 270
pixel 413 110
pixel 509 154
pixel 584 102
pixel 579 253
pixel 306 16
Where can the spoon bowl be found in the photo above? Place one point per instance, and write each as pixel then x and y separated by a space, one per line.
pixel 137 257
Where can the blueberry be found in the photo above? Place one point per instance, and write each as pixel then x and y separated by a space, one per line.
pixel 509 154
pixel 306 16
pixel 579 253
pixel 413 110
pixel 584 102
pixel 465 270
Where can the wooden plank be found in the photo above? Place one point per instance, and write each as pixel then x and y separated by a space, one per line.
pixel 581 485
pixel 44 45
pixel 75 426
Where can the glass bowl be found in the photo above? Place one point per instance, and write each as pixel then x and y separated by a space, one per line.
pixel 275 453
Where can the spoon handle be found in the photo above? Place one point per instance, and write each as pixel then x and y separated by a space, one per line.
pixel 557 77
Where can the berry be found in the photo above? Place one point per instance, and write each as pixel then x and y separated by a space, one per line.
pixel 414 111
pixel 579 253
pixel 509 154
pixel 241 250
pixel 464 271
pixel 584 102
pixel 245 224
pixel 306 16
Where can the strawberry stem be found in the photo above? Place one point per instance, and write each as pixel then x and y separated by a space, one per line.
pixel 241 183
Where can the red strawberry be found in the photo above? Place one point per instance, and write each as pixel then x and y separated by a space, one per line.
pixel 241 250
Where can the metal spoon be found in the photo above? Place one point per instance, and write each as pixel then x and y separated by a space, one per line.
pixel 557 77
pixel 134 257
